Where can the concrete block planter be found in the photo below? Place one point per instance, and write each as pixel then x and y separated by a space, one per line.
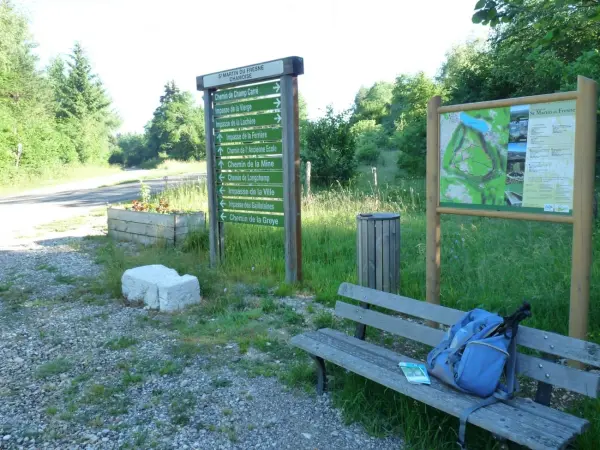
pixel 149 228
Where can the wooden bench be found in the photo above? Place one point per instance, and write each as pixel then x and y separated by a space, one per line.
pixel 532 424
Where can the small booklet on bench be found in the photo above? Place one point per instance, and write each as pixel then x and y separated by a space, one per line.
pixel 415 373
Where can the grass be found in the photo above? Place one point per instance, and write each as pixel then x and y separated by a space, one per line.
pixel 489 263
pixel 121 343
pixel 52 368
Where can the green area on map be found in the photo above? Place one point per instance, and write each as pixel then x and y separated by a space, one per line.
pixel 262 134
pixel 247 92
pixel 264 148
pixel 474 160
pixel 249 191
pixel 251 106
pixel 250 177
pixel 267 206
pixel 251 218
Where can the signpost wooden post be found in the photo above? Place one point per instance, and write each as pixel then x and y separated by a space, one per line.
pixel 527 158
pixel 253 155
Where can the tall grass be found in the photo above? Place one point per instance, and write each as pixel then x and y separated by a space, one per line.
pixel 489 263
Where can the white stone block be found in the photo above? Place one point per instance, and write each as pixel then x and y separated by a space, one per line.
pixel 159 287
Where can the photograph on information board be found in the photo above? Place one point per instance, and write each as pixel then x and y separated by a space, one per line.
pixel 511 157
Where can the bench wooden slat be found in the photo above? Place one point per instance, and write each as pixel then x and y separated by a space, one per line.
pixel 531 431
pixel 547 342
pixel 578 424
pixel 575 380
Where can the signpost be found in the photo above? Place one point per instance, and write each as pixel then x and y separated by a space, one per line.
pixel 252 142
pixel 530 158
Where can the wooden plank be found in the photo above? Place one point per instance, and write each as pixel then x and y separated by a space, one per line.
pixel 291 177
pixel 583 197
pixel 379 253
pixel 559 96
pixel 386 373
pixel 556 218
pixel 213 238
pixel 146 240
pixel 387 262
pixel 433 234
pixel 143 229
pixel 565 377
pixel 371 253
pixel 363 277
pixel 140 217
pixel 395 237
pixel 544 341
pixel 577 424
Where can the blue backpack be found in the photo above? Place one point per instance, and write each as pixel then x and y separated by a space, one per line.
pixel 474 355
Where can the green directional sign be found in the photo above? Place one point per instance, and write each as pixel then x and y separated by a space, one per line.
pixel 251 218
pixel 256 120
pixel 251 163
pixel 249 191
pixel 257 90
pixel 251 205
pixel 266 148
pixel 263 134
pixel 263 104
pixel 251 177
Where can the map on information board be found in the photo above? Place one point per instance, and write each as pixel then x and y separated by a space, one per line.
pixel 510 157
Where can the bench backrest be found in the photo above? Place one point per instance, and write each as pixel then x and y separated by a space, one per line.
pixel 562 376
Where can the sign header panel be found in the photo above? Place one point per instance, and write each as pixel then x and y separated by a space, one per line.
pixel 251 218
pixel 511 158
pixel 247 92
pixel 244 74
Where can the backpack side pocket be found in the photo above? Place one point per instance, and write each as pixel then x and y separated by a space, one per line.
pixel 481 366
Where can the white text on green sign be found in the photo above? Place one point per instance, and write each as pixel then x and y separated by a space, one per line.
pixel 251 205
pixel 251 177
pixel 256 120
pixel 266 134
pixel 263 104
pixel 267 148
pixel 251 218
pixel 246 92
pixel 250 163
pixel 250 191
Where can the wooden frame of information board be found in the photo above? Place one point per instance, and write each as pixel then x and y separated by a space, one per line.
pixel 581 216
pixel 276 109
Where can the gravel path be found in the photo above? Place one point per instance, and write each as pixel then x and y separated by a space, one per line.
pixel 81 371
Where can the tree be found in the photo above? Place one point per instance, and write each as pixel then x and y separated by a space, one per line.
pixel 177 127
pixel 373 103
pixel 409 109
pixel 330 145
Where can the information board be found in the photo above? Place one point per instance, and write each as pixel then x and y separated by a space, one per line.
pixel 251 121
pixel 520 156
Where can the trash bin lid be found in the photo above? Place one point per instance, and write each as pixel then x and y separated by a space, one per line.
pixel 378 216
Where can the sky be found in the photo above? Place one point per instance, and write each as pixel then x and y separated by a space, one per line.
pixel 136 46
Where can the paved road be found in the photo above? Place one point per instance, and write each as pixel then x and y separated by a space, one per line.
pixel 20 213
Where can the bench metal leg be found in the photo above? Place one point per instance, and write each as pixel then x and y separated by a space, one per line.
pixel 543 395
pixel 361 329
pixel 321 375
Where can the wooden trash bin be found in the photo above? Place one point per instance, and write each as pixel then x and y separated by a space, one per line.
pixel 377 254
